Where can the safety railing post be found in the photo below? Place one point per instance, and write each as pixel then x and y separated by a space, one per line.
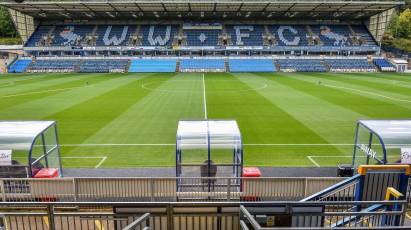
pixel 170 218
pixel 229 189
pixel 305 187
pixel 3 191
pixel 50 215
pixel 75 192
pixel 152 189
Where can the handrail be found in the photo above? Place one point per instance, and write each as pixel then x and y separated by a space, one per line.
pixel 393 192
pixel 331 188
pixel 362 170
pixel 137 222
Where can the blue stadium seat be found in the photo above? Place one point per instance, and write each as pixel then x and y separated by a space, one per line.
pixel 301 65
pixel 251 65
pixel 19 66
pixel 365 35
pixel 287 35
pixel 150 66
pixel 54 65
pixel 255 37
pixel 187 65
pixel 202 37
pixel 162 35
pixel 103 65
pixel 350 65
pixel 384 65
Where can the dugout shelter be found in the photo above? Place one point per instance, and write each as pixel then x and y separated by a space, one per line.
pixel 382 142
pixel 29 149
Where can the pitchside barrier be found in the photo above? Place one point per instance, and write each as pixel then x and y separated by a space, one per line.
pixel 161 189
pixel 164 189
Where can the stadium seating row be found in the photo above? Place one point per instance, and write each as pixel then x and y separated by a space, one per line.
pixel 200 65
pixel 349 65
pixel 103 66
pixel 165 35
pixel 384 65
pixel 19 66
pixel 301 65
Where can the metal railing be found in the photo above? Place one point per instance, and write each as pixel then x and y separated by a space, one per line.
pixel 191 216
pixel 323 215
pixel 160 189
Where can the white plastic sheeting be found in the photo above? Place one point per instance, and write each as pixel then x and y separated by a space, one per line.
pixel 394 133
pixel 219 134
pixel 19 135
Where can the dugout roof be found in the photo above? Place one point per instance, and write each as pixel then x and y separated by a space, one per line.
pixel 205 134
pixel 198 9
pixel 393 133
pixel 21 134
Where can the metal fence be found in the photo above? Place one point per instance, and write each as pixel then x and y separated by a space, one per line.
pixel 324 215
pixel 160 189
pixel 194 216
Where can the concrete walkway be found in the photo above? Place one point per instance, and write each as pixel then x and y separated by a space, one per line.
pixel 170 172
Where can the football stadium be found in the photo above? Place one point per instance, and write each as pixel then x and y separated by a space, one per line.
pixel 204 114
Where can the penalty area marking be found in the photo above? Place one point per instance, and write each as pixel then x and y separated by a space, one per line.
pixel 311 158
pixel 103 158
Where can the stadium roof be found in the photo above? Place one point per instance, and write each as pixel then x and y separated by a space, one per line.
pixel 206 9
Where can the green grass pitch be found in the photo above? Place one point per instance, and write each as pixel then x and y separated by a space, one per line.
pixel 130 120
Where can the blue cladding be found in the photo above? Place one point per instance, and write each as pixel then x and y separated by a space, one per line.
pixel 151 66
pixel 206 64
pixel 19 66
pixel 251 65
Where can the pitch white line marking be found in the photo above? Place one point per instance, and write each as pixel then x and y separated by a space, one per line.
pixel 39 92
pixel 172 144
pixel 204 99
pixel 367 92
pixel 101 162
pixel 311 158
pixel 313 161
pixel 104 158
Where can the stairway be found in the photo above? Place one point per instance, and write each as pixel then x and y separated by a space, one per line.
pixel 178 66
pixel 227 65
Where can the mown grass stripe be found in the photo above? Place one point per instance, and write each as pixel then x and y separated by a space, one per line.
pixel 153 119
pixel 368 106
pixel 309 110
pixel 9 100
pixel 372 84
pixel 260 121
pixel 38 109
pixel 97 112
